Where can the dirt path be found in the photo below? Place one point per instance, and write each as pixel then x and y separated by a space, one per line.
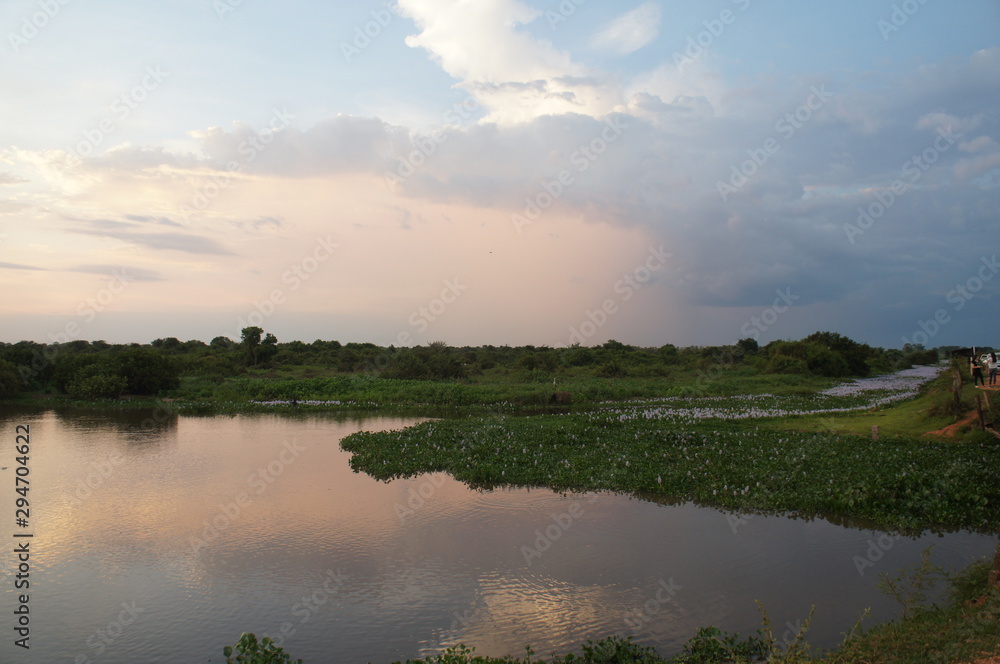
pixel 951 430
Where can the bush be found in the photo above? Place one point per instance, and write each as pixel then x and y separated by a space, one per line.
pixel 68 367
pixel 785 364
pixel 612 369
pixel 93 383
pixel 249 651
pixel 147 371
pixel 10 382
pixel 971 582
pixel 825 362
pixel 713 646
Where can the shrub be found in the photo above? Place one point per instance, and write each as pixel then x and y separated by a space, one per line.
pixel 147 371
pixel 249 651
pixel 93 383
pixel 785 364
pixel 10 382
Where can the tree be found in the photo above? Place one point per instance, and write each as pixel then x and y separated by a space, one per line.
pixel 267 349
pixel 97 381
pixel 147 371
pixel 250 343
pixel 258 350
pixel 10 382
pixel 170 343
pixel 221 342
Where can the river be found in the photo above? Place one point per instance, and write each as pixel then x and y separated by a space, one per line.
pixel 162 539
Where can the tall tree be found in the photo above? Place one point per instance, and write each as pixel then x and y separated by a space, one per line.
pixel 251 342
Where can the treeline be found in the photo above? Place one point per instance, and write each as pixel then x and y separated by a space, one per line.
pixel 97 369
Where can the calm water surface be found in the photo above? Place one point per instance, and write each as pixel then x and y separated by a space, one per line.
pixel 163 543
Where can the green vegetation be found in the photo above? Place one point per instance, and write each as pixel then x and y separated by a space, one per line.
pixel 249 651
pixel 661 422
pixel 704 450
pixel 727 465
pixel 963 631
pixel 225 373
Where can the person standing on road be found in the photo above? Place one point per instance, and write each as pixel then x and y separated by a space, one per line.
pixel 992 366
pixel 977 373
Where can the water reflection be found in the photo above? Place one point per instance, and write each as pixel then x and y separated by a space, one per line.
pixel 211 526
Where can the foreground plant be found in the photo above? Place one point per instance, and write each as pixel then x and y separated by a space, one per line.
pixel 911 585
pixel 249 651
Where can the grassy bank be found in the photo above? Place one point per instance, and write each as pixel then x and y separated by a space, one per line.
pixel 931 411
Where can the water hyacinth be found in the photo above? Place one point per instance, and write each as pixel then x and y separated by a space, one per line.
pixel 856 395
pixel 706 450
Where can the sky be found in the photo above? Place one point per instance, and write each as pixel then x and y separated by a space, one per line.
pixel 501 171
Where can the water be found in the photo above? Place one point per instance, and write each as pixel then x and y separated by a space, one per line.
pixel 163 543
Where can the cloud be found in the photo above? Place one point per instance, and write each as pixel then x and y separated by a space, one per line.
pixel 682 133
pixel 340 144
pixel 258 225
pixel 948 122
pixel 192 244
pixel 630 31
pixel 479 41
pixel 163 221
pixel 514 75
pixel 10 178
pixel 18 266
pixel 132 273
